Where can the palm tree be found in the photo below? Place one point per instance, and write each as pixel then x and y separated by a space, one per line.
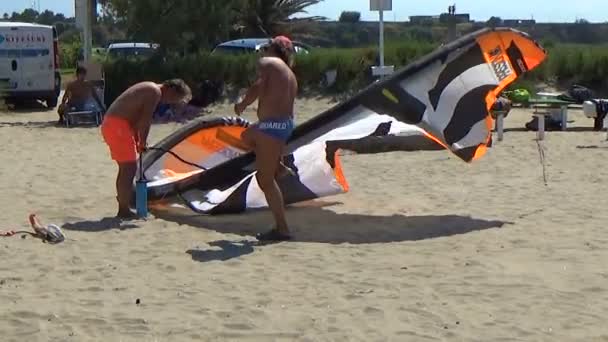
pixel 270 17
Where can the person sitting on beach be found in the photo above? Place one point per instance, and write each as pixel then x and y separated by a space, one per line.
pixel 126 126
pixel 275 89
pixel 77 94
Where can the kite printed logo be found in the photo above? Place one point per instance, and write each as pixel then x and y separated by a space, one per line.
pixel 499 64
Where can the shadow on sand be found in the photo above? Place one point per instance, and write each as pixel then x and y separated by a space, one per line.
pixel 27 107
pixel 31 124
pixel 106 223
pixel 319 225
pixel 569 130
pixel 223 250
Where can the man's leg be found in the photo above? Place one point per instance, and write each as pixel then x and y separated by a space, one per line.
pixel 248 138
pixel 124 188
pixel 61 112
pixel 268 153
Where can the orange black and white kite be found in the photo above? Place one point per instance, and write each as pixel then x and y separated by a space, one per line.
pixel 441 101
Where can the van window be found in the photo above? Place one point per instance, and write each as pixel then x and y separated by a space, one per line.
pixel 34 52
pixel 10 53
pixel 17 53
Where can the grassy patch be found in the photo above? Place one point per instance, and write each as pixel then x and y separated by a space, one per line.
pixel 67 76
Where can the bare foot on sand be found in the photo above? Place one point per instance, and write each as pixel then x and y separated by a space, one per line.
pixel 126 215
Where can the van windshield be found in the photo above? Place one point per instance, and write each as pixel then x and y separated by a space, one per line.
pixel 131 52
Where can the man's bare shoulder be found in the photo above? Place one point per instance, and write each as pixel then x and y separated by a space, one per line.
pixel 270 62
pixel 264 63
pixel 264 60
pixel 71 84
pixel 147 88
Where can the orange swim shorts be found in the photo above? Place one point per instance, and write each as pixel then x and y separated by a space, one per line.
pixel 119 136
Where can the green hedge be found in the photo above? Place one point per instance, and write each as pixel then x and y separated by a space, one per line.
pixel 352 65
pixel 566 64
pixel 68 55
pixel 587 65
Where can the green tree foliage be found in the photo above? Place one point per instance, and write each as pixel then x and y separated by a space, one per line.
pixel 350 17
pixel 272 17
pixel 47 17
pixel 176 25
pixel 494 22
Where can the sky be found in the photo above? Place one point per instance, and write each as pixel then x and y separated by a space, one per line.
pixel 480 10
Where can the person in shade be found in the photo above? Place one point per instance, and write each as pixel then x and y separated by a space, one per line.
pixel 77 94
pixel 126 126
pixel 275 89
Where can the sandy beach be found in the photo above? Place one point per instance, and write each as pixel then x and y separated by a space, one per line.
pixel 423 248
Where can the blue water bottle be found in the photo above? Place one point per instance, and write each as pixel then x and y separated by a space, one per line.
pixel 141 191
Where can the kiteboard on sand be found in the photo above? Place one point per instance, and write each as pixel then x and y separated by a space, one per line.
pixel 441 101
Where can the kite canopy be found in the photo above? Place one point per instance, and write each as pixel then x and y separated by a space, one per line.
pixel 441 101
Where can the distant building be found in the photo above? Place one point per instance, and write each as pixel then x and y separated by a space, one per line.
pixel 459 18
pixel 443 18
pixel 463 17
pixel 424 19
pixel 519 22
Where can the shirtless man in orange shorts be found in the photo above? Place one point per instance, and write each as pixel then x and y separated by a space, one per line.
pixel 126 126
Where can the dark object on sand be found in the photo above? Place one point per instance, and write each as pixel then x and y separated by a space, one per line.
pixel 551 124
pixel 502 105
pixel 577 94
pixel 601 109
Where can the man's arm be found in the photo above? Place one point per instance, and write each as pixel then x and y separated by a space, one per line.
pixel 67 94
pixel 254 91
pixel 143 127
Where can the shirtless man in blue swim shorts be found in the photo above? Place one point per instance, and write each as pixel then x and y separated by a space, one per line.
pixel 275 89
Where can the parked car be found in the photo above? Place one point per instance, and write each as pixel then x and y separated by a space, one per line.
pixel 253 45
pixel 125 50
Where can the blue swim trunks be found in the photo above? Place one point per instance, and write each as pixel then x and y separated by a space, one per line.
pixel 278 128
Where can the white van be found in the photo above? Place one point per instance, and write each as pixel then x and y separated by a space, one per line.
pixel 29 63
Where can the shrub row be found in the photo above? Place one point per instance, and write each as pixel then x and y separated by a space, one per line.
pixel 353 68
pixel 586 65
pixel 567 64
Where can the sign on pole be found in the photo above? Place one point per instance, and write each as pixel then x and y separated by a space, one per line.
pixel 381 6
pixel 80 10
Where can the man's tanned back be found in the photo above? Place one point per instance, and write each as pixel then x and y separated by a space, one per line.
pixel 279 89
pixel 134 101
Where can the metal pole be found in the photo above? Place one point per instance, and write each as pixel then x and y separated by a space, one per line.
pixel 381 38
pixel 87 32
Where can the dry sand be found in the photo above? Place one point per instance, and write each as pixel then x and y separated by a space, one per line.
pixel 423 248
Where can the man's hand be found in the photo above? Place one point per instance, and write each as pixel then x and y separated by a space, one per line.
pixel 239 108
pixel 141 147
pixel 140 144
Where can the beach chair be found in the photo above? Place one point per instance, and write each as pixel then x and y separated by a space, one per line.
pixel 93 112
pixel 499 111
pixel 597 109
